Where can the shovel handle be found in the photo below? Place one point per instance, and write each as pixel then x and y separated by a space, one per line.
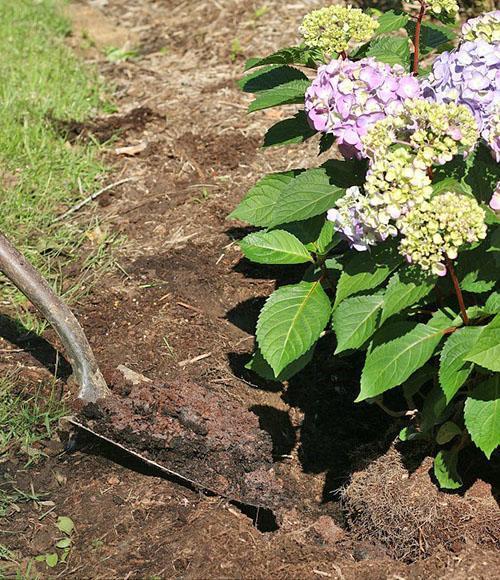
pixel 29 281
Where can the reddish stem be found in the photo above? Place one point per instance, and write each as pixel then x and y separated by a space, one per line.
pixel 458 291
pixel 343 54
pixel 416 40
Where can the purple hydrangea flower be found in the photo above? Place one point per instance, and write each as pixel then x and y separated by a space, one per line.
pixel 346 98
pixel 468 75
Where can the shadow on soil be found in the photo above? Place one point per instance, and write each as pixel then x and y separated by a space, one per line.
pixel 36 346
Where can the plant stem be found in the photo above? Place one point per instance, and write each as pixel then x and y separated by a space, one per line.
pixel 458 291
pixel 416 40
pixel 343 54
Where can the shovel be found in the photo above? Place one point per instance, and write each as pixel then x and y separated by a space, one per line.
pixel 208 445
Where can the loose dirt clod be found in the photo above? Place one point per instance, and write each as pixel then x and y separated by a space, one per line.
pixel 410 516
pixel 205 437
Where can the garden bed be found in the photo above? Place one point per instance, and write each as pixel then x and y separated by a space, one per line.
pixel 180 308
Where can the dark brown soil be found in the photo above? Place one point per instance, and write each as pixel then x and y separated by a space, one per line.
pixel 180 308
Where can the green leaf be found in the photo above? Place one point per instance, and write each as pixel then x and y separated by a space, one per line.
pixel 482 415
pixel 435 409
pixel 258 204
pixel 390 364
pixel 391 50
pixel 478 270
pixel 289 131
pixel 300 55
pixel 482 173
pixel 355 320
pixel 418 379
pixel 259 365
pixel 366 270
pixel 270 77
pixel 390 21
pixel 445 469
pixel 345 173
pixel 405 289
pixel 308 195
pixel 290 323
pixel 325 142
pixel 326 240
pixel 447 432
pixel 51 560
pixel 274 247
pixel 64 543
pixel 486 351
pixel 492 305
pixel 287 94
pixel 453 369
pixel 65 525
pixel 432 36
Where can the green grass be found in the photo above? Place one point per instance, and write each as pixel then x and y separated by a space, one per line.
pixel 25 420
pixel 42 84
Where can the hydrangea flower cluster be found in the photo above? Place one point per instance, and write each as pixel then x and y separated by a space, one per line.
pixel 358 222
pixel 346 98
pixel 436 132
pixel 436 229
pixel 485 27
pixel 469 75
pixel 395 183
pixel 450 7
pixel 337 28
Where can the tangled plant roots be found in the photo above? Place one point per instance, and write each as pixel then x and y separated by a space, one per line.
pixel 410 516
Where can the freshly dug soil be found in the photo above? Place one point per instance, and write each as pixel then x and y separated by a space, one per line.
pixel 180 308
pixel 207 438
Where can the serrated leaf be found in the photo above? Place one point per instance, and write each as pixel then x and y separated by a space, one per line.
pixel 453 369
pixel 289 93
pixel 65 525
pixel 477 269
pixel 390 364
pixel 300 55
pixel 290 323
pixel 432 36
pixel 391 50
pixel 258 204
pixel 445 469
pixel 486 351
pixel 492 305
pixel 366 270
pixel 482 415
pixel 308 195
pixel 355 320
pixel 390 21
pixel 289 131
pixel 260 366
pixel 270 77
pixel 405 289
pixel 274 247
pixel 447 432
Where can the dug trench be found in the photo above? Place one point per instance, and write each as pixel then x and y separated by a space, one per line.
pixel 285 480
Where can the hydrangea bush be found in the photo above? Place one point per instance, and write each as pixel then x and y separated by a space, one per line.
pixel 394 238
